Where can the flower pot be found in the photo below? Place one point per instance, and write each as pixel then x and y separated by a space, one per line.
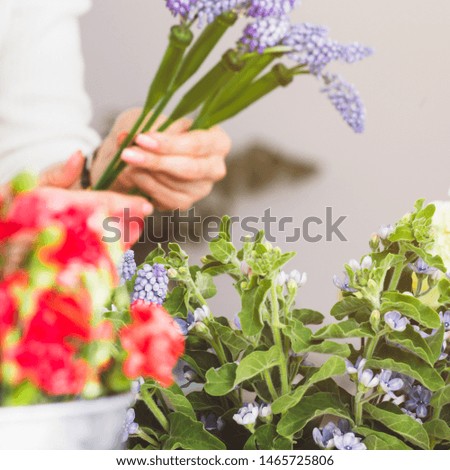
pixel 75 425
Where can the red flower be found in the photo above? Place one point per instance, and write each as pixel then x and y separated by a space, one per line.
pixel 8 303
pixel 52 367
pixel 153 341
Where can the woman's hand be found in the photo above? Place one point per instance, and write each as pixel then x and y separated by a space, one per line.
pixel 175 168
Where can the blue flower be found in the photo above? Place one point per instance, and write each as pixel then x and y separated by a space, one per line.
pixel 396 321
pixel 348 441
pixel 445 319
pixel 418 401
pixel 354 369
pixel 212 423
pixel 180 7
pixel 345 98
pixel 247 415
pixel 151 284
pixel 367 378
pixel 344 284
pixel 127 267
pixel 129 427
pixel 390 383
pixel 265 410
pixel 385 231
pixel 324 437
pixel 265 32
pixel 185 325
pixel 420 267
pixel 263 8
pixel 136 385
pixel 237 322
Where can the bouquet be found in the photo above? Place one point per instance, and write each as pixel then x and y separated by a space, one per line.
pixel 57 341
pixel 377 377
pixel 270 53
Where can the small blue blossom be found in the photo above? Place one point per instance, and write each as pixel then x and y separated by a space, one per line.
pixel 136 385
pixel 343 284
pixel 151 284
pixel 366 263
pixel 418 401
pixel 412 415
pixel 420 267
pixel 201 314
pixel 265 32
pixel 348 441
pixel 237 322
pixel 445 319
pixel 185 325
pixel 265 410
pixel 390 383
pixel 263 8
pixel 355 368
pixel 385 231
pixel 180 7
pixel 396 321
pixel 247 415
pixel 324 437
pixel 127 267
pixel 212 423
pixel 345 98
pixel 129 427
pixel 367 378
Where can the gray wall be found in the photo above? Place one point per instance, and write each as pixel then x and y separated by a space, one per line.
pixel 374 178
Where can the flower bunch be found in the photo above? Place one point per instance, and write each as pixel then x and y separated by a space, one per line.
pixel 270 53
pixel 249 383
pixel 56 274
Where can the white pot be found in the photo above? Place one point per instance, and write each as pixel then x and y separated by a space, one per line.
pixel 76 425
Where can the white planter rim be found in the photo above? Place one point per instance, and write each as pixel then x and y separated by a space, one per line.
pixel 65 409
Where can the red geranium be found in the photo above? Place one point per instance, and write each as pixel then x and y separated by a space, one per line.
pixel 8 303
pixel 153 341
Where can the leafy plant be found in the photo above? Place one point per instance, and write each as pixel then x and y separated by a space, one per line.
pixel 383 381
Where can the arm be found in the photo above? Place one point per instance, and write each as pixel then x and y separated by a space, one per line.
pixel 44 110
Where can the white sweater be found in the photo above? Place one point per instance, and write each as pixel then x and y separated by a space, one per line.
pixel 44 109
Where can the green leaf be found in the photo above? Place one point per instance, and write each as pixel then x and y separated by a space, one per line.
pixel 435 343
pixel 256 363
pixel 156 253
pixel 401 361
pixel 232 339
pixel 262 439
pixel 329 347
pixel 299 335
pixel 189 434
pixel 410 307
pixel 333 367
pixel 309 408
pixel 201 361
pixel 205 285
pixel 201 401
pixel 220 381
pixel 175 397
pixel 394 419
pixel 351 307
pixel 441 398
pixel 175 302
pixel 308 317
pixel 252 301
pixel 346 329
pixel 411 340
pixel 216 268
pixel 222 250
pixel 438 429
pixel 377 440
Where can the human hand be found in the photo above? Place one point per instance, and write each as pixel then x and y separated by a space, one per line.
pixel 175 168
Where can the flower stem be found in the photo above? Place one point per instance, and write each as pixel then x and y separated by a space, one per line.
pixel 145 437
pixel 397 272
pixel 270 386
pixel 358 408
pixel 154 408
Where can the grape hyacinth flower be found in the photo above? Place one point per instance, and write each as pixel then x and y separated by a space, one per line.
pixel 325 438
pixel 367 378
pixel 151 284
pixel 344 284
pixel 348 441
pixel 420 267
pixel 390 383
pixel 129 427
pixel 264 33
pixel 345 98
pixel 396 321
pixel 247 415
pixel 263 8
pixel 180 7
pixel 418 401
pixel 212 423
pixel 127 267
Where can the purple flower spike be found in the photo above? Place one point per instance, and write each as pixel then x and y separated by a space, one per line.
pixel 208 10
pixel 396 321
pixel 180 7
pixel 264 8
pixel 128 267
pixel 151 284
pixel 345 98
pixel 264 33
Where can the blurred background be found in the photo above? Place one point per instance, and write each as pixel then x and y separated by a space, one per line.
pixel 292 152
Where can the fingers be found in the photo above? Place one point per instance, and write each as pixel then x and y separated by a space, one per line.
pixel 178 167
pixel 64 175
pixel 194 143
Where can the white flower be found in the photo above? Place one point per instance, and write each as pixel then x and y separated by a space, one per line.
pixel 201 314
pixel 440 230
pixel 299 278
pixel 246 415
pixel 367 378
pixel 265 410
pixel 359 365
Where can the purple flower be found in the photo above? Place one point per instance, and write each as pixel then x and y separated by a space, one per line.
pixel 208 10
pixel 129 426
pixel 344 283
pixel 212 423
pixel 418 401
pixel 186 325
pixel 396 321
pixel 445 319
pixel 180 7
pixel 420 267
pixel 264 33
pixel 237 322
pixel 345 98
pixel 367 378
pixel 136 385
pixel 127 267
pixel 354 369
pixel 151 284
pixel 348 441
pixel 263 8
pixel 389 383
pixel 324 437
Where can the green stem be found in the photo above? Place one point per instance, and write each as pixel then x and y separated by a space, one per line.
pixel 158 111
pixel 278 340
pixel 270 386
pixel 358 404
pixel 397 272
pixel 145 437
pixel 154 409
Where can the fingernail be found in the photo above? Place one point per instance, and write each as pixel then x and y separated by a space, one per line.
pixel 131 156
pixel 147 208
pixel 121 137
pixel 146 141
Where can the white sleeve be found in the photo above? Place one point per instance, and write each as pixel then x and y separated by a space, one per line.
pixel 44 109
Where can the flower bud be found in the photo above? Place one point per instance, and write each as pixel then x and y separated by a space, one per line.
pixel 172 273
pixel 375 319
